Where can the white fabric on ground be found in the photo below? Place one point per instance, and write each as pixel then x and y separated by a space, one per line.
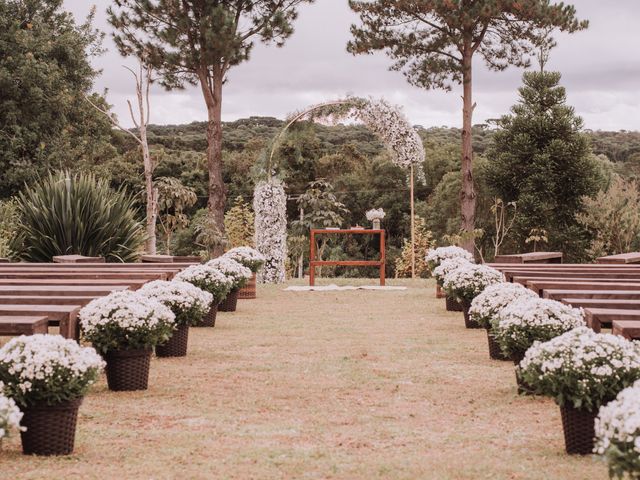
pixel 332 288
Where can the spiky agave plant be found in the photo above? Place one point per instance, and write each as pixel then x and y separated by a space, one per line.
pixel 65 214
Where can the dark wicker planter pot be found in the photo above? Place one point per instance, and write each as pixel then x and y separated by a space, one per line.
pixel 230 303
pixel 176 346
pixel 128 370
pixel 495 353
pixel 51 429
pixel 578 427
pixel 453 305
pixel 209 318
pixel 248 292
pixel 523 387
pixel 468 321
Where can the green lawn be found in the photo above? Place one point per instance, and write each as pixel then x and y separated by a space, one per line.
pixel 357 385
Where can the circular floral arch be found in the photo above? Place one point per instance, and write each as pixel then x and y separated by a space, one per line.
pixel 387 121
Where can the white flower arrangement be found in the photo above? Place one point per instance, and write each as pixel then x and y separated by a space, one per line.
pixel 187 302
pixel 247 256
pixel 270 207
pixel 47 368
pixel 447 266
pixel 126 320
pixel 238 273
pixel 469 280
pixel 582 368
pixel 10 415
pixel 392 126
pixel 486 306
pixel 532 319
pixel 375 214
pixel 436 256
pixel 207 278
pixel 617 429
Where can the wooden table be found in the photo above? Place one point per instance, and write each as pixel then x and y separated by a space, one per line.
pixel 533 257
pixel 313 263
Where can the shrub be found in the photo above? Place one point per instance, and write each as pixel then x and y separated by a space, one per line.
pixel 469 280
pixel 486 306
pixel 522 323
pixel 126 320
pixel 618 433
pixel 64 215
pixel 247 257
pixel 187 302
pixel 239 224
pixel 47 368
pixel 582 368
pixel 208 279
pixel 423 243
pixel 447 266
pixel 237 273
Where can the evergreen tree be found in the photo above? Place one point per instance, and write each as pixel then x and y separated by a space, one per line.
pixel 541 160
pixel 197 42
pixel 434 42
pixel 44 75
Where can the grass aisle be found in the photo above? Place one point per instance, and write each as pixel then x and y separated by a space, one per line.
pixel 358 384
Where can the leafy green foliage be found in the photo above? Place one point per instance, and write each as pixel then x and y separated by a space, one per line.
pixel 424 241
pixel 8 225
pixel 239 224
pixel 540 159
pixel 45 72
pixel 173 199
pixel 79 214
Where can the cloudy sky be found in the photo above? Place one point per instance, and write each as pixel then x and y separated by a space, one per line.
pixel 600 67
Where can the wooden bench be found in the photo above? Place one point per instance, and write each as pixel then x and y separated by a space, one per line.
pixel 23 325
pixel 45 300
pixel 77 259
pixel 540 285
pixel 629 330
pixel 131 283
pixel 599 317
pixel 622 258
pixel 602 294
pixel 170 259
pixel 84 275
pixel 616 303
pixel 589 275
pixel 532 257
pixel 59 290
pixel 64 316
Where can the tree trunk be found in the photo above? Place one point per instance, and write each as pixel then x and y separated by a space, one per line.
pixel 467 193
pixel 152 204
pixel 212 89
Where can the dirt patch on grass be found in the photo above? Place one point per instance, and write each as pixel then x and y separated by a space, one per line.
pixel 357 384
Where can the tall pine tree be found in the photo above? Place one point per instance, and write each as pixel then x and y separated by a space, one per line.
pixel 434 42
pixel 541 160
pixel 197 42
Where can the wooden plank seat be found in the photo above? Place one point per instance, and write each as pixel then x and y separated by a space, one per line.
pixel 617 303
pixel 23 325
pixel 629 329
pixel 604 317
pixel 133 283
pixel 46 300
pixel 532 257
pixel 622 258
pixel 88 275
pixel 591 275
pixel 539 285
pixel 602 294
pixel 64 316
pixel 64 266
pixel 169 259
pixel 77 259
pixel 59 290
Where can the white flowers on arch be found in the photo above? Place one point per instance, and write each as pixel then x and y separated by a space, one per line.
pixel 387 121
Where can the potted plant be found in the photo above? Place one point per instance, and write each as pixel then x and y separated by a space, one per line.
pixel 124 327
pixel 582 370
pixel 239 276
pixel 436 256
pixel 375 216
pixel 10 416
pixel 210 280
pixel 253 260
pixel 187 302
pixel 617 429
pixel 526 321
pixel 486 307
pixel 467 282
pixel 439 273
pixel 47 376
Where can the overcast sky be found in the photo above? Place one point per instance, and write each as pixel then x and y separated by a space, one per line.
pixel 600 67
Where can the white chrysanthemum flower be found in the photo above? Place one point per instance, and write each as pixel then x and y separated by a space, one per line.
pixel 10 416
pixel 207 278
pixel 247 256
pixel 486 306
pixel 186 301
pixel 468 280
pixel 375 214
pixel 436 256
pixel 238 273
